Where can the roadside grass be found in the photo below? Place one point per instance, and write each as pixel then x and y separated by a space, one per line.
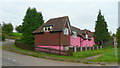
pixel 89 53
pixel 17 34
pixel 107 57
pixel 40 54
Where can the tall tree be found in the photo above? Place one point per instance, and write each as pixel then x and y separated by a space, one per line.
pixel 7 28
pixel 101 34
pixel 19 28
pixel 31 22
pixel 118 36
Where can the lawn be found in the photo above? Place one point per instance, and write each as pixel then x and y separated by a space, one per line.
pixel 88 53
pixel 107 57
pixel 17 34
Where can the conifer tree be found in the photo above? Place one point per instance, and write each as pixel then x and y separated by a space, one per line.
pixel 31 22
pixel 118 36
pixel 101 34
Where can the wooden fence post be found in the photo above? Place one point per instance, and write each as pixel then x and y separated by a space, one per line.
pixel 89 48
pixel 85 47
pixel 75 49
pixel 93 47
pixel 100 47
pixel 81 48
pixel 97 47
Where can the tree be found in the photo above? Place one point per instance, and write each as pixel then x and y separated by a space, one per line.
pixel 31 22
pixel 7 28
pixel 19 28
pixel 118 36
pixel 101 34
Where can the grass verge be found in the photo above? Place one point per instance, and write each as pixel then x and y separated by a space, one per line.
pixel 17 34
pixel 108 54
pixel 107 57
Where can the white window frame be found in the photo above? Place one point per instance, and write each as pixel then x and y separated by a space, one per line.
pixel 74 34
pixel 86 36
pixel 87 45
pixel 65 47
pixel 47 28
pixel 66 31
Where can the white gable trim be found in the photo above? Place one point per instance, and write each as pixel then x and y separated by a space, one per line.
pixel 68 23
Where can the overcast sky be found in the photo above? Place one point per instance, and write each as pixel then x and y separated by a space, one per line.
pixel 82 13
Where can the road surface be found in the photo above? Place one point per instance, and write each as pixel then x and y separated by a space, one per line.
pixel 14 59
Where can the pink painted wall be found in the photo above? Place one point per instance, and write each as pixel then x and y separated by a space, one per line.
pixel 87 42
pixel 54 47
pixel 75 41
pixel 83 43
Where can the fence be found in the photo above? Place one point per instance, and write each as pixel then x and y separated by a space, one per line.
pixel 54 51
pixel 24 46
pixel 77 49
pixel 68 52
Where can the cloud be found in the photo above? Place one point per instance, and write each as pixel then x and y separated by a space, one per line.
pixel 62 1
pixel 82 14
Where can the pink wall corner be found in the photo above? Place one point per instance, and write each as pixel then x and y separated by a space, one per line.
pixel 87 42
pixel 75 41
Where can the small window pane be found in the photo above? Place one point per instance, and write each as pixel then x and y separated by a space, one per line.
pixel 66 31
pixel 48 28
pixel 74 34
pixel 45 29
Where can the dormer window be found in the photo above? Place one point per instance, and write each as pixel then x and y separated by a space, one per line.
pixel 47 28
pixel 74 34
pixel 86 36
pixel 51 27
pixel 66 31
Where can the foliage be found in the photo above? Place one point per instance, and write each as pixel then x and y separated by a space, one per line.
pixel 31 22
pixel 7 28
pixel 17 34
pixel 96 45
pixel 19 28
pixel 118 36
pixel 3 37
pixel 101 32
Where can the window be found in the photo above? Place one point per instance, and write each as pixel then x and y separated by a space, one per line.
pixel 51 27
pixel 87 45
pixel 65 47
pixel 74 34
pixel 86 35
pixel 47 28
pixel 66 31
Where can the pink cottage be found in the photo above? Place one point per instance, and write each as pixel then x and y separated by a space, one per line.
pixel 57 33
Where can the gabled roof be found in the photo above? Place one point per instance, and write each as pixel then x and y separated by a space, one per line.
pixel 58 24
pixel 76 30
pixel 82 32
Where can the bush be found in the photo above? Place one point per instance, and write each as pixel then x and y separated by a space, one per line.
pixel 96 45
pixel 3 37
pixel 24 46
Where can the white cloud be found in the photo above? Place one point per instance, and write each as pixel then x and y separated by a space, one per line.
pixel 65 1
pixel 82 14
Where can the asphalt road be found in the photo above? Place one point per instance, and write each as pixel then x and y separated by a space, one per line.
pixel 14 59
